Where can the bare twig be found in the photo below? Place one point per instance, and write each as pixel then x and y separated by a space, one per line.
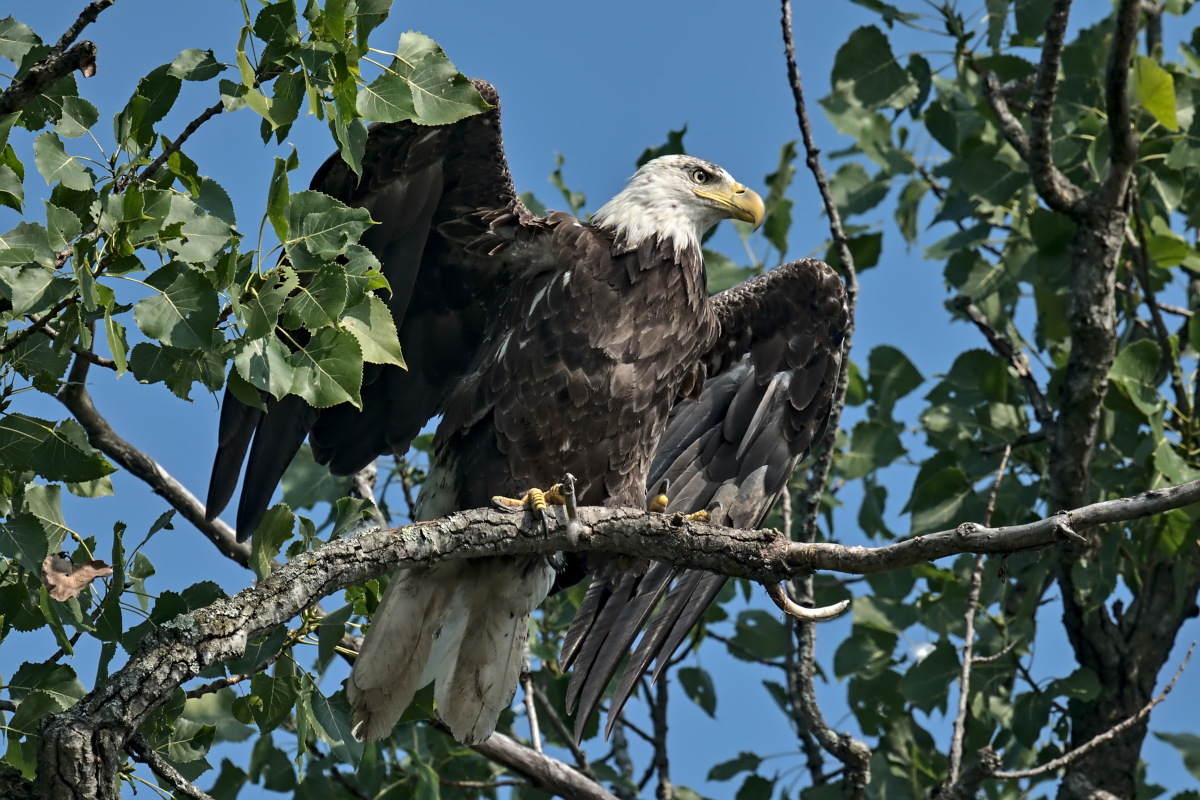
pixel 75 397
pixel 662 764
pixel 49 330
pixel 1136 236
pixel 1095 742
pixel 564 733
pixel 1016 358
pixel 142 751
pixel 819 474
pixel 964 678
pixel 191 128
pixel 535 735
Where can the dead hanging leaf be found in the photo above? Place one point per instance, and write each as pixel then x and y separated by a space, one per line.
pixel 64 579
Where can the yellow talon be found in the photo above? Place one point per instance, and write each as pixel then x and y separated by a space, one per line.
pixel 536 500
pixel 698 516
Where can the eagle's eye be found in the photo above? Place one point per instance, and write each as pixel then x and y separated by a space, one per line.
pixel 700 176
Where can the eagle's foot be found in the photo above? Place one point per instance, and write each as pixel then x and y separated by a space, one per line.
pixel 703 515
pixel 560 494
pixel 658 503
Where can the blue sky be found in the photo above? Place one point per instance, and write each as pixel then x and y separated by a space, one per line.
pixel 597 83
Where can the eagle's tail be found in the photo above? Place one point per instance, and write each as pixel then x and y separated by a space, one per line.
pixel 461 624
pixel 393 661
pixel 482 667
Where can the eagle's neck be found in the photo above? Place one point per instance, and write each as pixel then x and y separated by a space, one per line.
pixel 643 211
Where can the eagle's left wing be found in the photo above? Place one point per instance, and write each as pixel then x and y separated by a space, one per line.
pixel 771 379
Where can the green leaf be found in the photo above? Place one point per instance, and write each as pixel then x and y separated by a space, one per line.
pixel 55 165
pixel 698 686
pixel 744 762
pixel 1155 90
pixel 759 635
pixel 673 146
pixel 866 67
pixel 16 40
pixel 201 235
pixel 183 314
pixel 179 369
pixel 756 787
pixel 856 192
pixel 54 452
pixel 420 84
pixel 77 118
pixel 866 652
pixel 114 333
pixel 927 683
pixel 873 444
pixel 325 226
pixel 890 376
pixel 940 498
pixel 264 363
pixel 269 538
pixel 372 325
pixel 272 698
pixel 1188 745
pixel 331 720
pixel 196 65
pixel 328 369
pixel 318 302
pixel 1135 371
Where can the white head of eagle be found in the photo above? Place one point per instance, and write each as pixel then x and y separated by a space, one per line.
pixel 677 198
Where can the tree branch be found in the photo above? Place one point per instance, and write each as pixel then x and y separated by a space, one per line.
pixel 1016 358
pixel 58 63
pixel 964 679
pixel 819 474
pixel 80 749
pixel 1111 733
pixel 143 752
pixel 74 395
pixel 1123 150
pixel 543 772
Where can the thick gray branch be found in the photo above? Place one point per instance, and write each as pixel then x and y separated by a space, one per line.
pixel 81 748
pixel 543 771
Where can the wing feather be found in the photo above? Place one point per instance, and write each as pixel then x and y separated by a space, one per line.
pixel 444 200
pixel 771 379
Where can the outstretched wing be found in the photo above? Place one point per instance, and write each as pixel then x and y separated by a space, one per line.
pixel 447 212
pixel 771 381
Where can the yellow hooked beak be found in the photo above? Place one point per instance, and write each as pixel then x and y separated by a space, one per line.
pixel 740 202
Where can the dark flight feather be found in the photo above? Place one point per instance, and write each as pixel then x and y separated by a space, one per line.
pixel 547 345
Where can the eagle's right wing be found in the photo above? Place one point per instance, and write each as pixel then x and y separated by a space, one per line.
pixel 771 379
pixel 447 212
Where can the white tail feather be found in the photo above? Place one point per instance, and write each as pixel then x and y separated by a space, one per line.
pixel 484 661
pixel 389 668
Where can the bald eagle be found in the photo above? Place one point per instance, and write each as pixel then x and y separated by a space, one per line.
pixel 549 346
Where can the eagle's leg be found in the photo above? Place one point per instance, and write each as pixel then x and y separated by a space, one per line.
pixel 560 494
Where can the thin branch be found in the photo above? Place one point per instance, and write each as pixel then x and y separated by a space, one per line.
pixel 58 63
pixel 1136 236
pixel 1123 149
pixel 1045 88
pixel 142 751
pixel 1016 358
pixel 39 324
pixel 964 678
pixel 74 395
pixel 994 656
pixel 819 474
pixel 191 128
pixel 535 734
pixel 662 764
pixel 564 733
pixel 50 331
pixel 1111 733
